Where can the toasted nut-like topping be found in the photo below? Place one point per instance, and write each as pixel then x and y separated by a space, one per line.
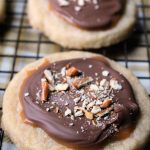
pixel 78 113
pixel 78 83
pixel 94 87
pixel 72 71
pixel 67 112
pixel 61 87
pixel 106 103
pixel 104 83
pixel 85 103
pixel 88 115
pixel 44 86
pixel 96 109
pixel 115 85
pixel 91 104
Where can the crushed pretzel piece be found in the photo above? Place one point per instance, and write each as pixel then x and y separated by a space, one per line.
pixel 106 103
pixel 45 88
pixel 61 87
pixel 105 111
pixel 72 71
pixel 78 83
pixel 49 76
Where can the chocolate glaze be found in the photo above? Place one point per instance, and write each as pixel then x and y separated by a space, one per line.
pixel 102 15
pixel 57 126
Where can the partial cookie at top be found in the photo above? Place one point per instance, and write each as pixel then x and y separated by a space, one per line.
pixel 35 138
pixel 67 35
pixel 2 9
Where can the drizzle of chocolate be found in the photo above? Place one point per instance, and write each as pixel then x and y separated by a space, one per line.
pixel 80 131
pixel 102 15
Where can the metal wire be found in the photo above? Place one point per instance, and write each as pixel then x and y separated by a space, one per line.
pixel 124 47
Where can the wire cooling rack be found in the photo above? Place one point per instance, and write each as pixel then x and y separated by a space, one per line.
pixel 20 45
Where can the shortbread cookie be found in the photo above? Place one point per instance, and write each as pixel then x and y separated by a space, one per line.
pixel 83 24
pixel 2 8
pixel 63 102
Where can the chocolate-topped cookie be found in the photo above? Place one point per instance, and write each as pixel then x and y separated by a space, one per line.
pixel 80 101
pixel 76 103
pixel 81 23
pixel 90 15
